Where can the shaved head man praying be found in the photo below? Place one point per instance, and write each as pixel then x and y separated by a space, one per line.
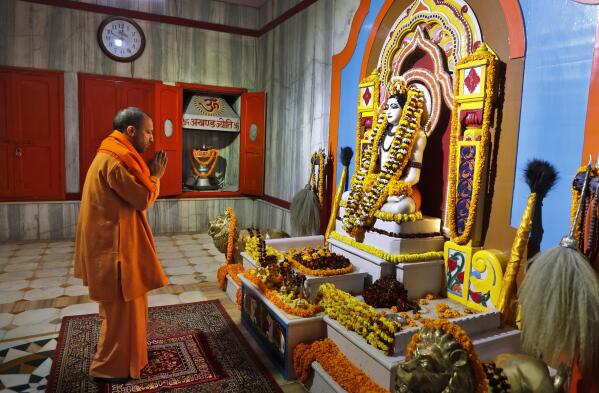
pixel 114 250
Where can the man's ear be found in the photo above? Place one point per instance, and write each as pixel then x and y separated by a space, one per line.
pixel 130 130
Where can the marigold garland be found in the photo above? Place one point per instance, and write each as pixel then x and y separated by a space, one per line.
pixel 393 258
pixel 359 317
pixel 481 151
pixel 399 217
pixel 320 156
pixel 364 201
pixel 238 298
pixel 231 236
pixel 462 338
pixel 334 362
pixel 232 270
pixel 275 298
pixel 212 154
pixel 316 257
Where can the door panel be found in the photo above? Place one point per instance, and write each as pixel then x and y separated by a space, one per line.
pixel 36 177
pixel 141 95
pixel 253 137
pixel 167 136
pixel 37 120
pixel 7 147
pixel 98 104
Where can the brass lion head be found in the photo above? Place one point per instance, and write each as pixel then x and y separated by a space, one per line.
pixel 438 365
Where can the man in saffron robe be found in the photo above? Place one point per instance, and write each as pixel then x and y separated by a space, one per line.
pixel 115 253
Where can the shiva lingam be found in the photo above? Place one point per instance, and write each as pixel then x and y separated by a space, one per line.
pixel 203 177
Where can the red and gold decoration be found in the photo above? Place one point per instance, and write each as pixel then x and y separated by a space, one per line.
pixel 334 362
pixel 474 96
pixel 205 158
pixel 319 262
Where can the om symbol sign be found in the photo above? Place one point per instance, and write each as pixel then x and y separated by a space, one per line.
pixel 210 104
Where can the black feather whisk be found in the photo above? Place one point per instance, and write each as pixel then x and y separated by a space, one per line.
pixel 540 176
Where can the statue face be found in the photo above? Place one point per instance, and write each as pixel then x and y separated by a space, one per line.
pixel 427 372
pixel 393 111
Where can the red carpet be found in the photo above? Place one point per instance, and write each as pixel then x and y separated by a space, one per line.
pixel 196 347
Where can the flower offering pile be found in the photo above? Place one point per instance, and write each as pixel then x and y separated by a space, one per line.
pixel 358 316
pixel 284 287
pixel 319 262
pixel 388 292
pixel 259 251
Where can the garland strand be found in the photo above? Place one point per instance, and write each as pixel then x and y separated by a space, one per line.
pixel 393 258
pixel 231 236
pixel 318 188
pixel 212 154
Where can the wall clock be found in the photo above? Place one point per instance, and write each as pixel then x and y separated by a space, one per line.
pixel 121 39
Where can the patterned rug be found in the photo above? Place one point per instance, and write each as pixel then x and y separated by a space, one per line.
pixel 196 347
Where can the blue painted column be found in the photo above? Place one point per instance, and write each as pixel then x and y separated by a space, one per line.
pixel 560 36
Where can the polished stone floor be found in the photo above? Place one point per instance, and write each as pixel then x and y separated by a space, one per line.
pixel 37 289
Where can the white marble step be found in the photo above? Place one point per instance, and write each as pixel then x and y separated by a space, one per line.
pixel 231 289
pixel 419 278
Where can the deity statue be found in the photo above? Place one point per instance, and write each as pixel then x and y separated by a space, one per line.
pixel 441 359
pixel 390 167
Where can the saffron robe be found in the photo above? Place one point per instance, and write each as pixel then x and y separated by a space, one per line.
pixel 115 254
pixel 114 239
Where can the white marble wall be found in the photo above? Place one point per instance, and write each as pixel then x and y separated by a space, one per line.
pixel 267 215
pixel 58 220
pixel 292 63
pixel 297 78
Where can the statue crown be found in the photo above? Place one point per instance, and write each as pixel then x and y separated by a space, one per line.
pixel 397 85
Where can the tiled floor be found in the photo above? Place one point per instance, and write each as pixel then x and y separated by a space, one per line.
pixel 37 289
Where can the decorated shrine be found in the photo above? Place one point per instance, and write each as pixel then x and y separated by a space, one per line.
pixel 394 196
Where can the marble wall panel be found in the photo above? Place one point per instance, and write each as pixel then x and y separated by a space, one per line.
pixel 297 77
pixel 200 10
pixel 267 215
pixel 71 132
pixel 47 37
pixel 58 220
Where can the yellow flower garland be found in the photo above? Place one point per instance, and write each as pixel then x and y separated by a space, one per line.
pixel 334 362
pixel 364 201
pixel 231 237
pixel 398 217
pixel 251 248
pixel 320 157
pixel 462 338
pixel 359 317
pixel 393 258
pixel 481 152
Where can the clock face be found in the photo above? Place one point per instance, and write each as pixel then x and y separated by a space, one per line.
pixel 121 38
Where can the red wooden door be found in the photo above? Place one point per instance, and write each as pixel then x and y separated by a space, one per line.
pixel 37 111
pixel 141 95
pixel 168 136
pixel 7 140
pixel 98 103
pixel 100 98
pixel 253 137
